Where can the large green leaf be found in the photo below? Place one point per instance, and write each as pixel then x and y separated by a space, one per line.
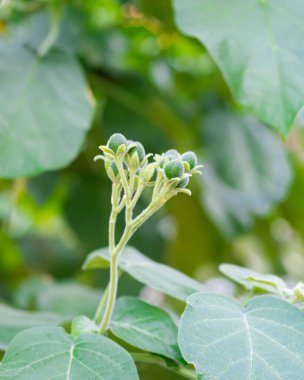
pixel 45 110
pixel 262 340
pixel 155 275
pixel 258 46
pixel 146 327
pixel 49 353
pixel 246 175
pixel 12 321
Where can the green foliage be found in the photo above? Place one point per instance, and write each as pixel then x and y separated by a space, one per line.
pixel 146 327
pixel 155 275
pixel 253 280
pixel 66 299
pixel 260 61
pixel 148 81
pixel 246 175
pixel 263 339
pixel 14 320
pixel 43 351
pixel 44 120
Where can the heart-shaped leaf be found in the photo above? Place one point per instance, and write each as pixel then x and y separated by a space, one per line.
pixel 262 340
pixel 49 353
pixel 146 327
pixel 258 45
pixel 45 110
pixel 12 321
pixel 155 275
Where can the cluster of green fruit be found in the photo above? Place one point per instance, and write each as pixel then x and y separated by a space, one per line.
pixel 130 155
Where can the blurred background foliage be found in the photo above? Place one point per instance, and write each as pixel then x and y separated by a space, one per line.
pixel 123 66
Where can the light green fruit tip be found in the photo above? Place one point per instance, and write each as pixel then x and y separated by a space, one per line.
pixel 191 158
pixel 139 149
pixel 115 141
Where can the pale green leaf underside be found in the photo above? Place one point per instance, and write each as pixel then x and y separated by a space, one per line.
pixel 224 341
pixel 155 275
pixel 251 279
pixel 44 110
pixel 146 327
pixel 258 45
pixel 12 321
pixel 50 353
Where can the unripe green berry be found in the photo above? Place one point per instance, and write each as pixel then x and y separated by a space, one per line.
pixel 183 183
pixel 172 153
pixel 191 158
pixel 139 149
pixel 174 168
pixel 116 140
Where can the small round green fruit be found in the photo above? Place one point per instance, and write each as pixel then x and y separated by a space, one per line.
pixel 116 140
pixel 174 168
pixel 191 158
pixel 139 149
pixel 172 153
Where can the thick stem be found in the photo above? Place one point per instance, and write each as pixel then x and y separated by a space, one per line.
pixel 114 275
pixel 130 228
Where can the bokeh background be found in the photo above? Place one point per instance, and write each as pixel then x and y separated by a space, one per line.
pixel 143 78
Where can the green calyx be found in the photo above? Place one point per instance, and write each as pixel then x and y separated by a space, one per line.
pixel 191 158
pixel 115 141
pixel 174 169
pixel 183 183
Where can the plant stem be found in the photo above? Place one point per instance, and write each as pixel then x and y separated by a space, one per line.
pixel 130 227
pixel 111 294
pixel 101 305
pixel 137 194
pixel 51 37
pixel 114 256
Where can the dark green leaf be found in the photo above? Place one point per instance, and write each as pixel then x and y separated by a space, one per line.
pixel 146 327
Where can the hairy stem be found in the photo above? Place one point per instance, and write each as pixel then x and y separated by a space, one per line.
pixel 111 294
pixel 114 256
